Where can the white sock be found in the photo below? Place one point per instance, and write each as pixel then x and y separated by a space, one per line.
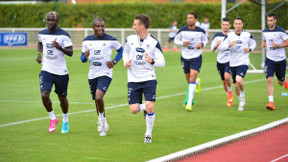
pixel 271 98
pixel 142 107
pixel 101 116
pixel 238 97
pixel 229 88
pixel 242 94
pixel 52 115
pixel 192 88
pixel 150 118
pixel 65 118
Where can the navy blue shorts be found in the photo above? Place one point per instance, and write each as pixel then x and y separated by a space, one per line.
pixel 238 70
pixel 278 67
pixel 194 63
pixel 222 68
pixel 47 80
pixel 102 83
pixel 136 89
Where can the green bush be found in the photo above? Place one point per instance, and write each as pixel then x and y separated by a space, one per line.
pixel 121 15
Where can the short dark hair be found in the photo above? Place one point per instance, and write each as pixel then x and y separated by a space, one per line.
pixel 225 19
pixel 97 20
pixel 143 19
pixel 194 14
pixel 239 18
pixel 272 15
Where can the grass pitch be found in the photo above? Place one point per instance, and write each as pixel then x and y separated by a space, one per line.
pixel 174 129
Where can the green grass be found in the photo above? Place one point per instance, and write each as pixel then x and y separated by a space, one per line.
pixel 174 130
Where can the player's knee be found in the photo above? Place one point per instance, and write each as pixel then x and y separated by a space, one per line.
pixel 134 109
pixel 280 82
pixel 45 95
pixel 98 98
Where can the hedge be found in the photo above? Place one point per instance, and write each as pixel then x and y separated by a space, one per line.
pixel 122 15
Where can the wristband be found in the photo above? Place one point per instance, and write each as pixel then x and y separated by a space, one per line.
pixel 153 62
pixel 114 62
pixel 277 46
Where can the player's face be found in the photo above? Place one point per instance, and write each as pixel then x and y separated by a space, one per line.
pixel 52 23
pixel 98 28
pixel 191 20
pixel 271 22
pixel 238 25
pixel 206 20
pixel 137 26
pixel 174 23
pixel 225 26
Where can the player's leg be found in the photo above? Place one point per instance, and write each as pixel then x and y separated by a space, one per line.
pixel 280 70
pixel 221 71
pixel 227 76
pixel 61 85
pixel 269 72
pixel 241 72
pixel 135 97
pixel 46 84
pixel 195 65
pixel 150 97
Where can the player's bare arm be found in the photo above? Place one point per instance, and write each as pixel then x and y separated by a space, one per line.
pixel 128 64
pixel 232 44
pixel 199 46
pixel 216 46
pixel 40 50
pixel 263 44
pixel 67 50
pixel 283 45
pixel 186 43
pixel 247 50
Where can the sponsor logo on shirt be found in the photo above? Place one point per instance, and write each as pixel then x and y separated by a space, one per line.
pixel 49 45
pixel 140 50
pixel 97 52
pixel 97 63
pixel 239 42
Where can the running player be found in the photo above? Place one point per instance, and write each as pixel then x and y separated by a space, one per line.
pixel 240 43
pixel 193 39
pixel 223 59
pixel 142 53
pixel 172 33
pixel 206 26
pixel 55 43
pixel 275 40
pixel 97 48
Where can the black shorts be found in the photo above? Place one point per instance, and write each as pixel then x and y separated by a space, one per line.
pixel 238 70
pixel 102 83
pixel 222 68
pixel 194 63
pixel 137 89
pixel 47 80
pixel 279 68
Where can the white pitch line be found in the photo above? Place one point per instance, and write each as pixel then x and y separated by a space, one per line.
pixel 109 107
pixel 279 158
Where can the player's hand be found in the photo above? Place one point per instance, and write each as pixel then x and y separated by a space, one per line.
pixel 39 59
pixel 218 42
pixel 274 44
pixel 186 43
pixel 148 58
pixel 263 44
pixel 232 43
pixel 198 46
pixel 246 50
pixel 128 64
pixel 110 64
pixel 56 45
pixel 86 54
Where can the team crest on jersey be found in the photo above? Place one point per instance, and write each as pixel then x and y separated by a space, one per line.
pixel 97 52
pixel 141 50
pixel 49 45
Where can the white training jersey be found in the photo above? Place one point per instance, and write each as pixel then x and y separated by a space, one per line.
pixel 173 32
pixel 223 55
pixel 237 55
pixel 277 35
pixel 100 51
pixel 53 59
pixel 206 27
pixel 195 36
pixel 135 50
